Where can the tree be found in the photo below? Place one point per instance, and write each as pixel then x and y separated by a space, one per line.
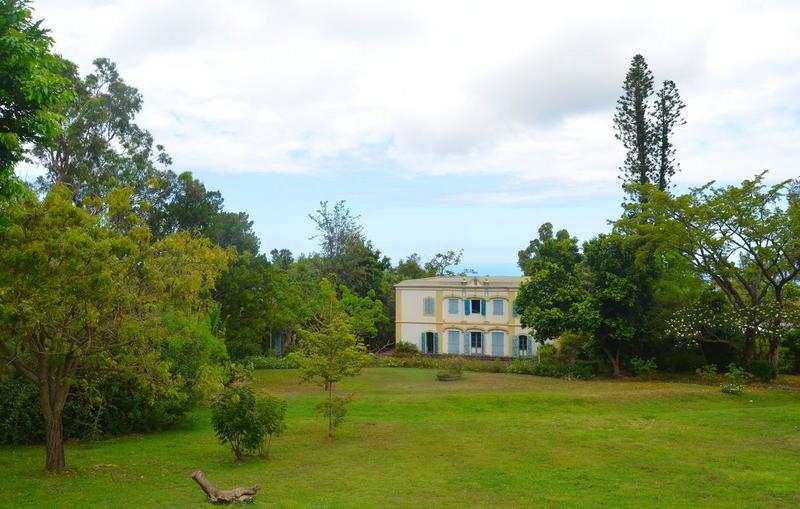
pixel 666 115
pixel 100 148
pixel 603 293
pixel 632 123
pixel 746 239
pixel 442 264
pixel 78 296
pixel 282 258
pixel 645 129
pixel 329 351
pixel 410 268
pixel 620 296
pixel 233 229
pixel 31 88
pixel 337 229
pixel 182 203
pixel 561 249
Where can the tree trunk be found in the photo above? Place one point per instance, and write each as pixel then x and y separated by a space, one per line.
pixel 749 346
pixel 216 496
pixel 52 397
pixel 54 430
pixel 330 409
pixel 614 360
pixel 774 349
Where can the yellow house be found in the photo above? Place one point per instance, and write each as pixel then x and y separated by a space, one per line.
pixel 466 315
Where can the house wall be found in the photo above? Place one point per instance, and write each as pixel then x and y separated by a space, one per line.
pixel 412 321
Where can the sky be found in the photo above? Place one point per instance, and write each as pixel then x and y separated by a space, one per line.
pixel 444 125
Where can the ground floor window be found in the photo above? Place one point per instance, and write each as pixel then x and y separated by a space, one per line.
pixel 522 347
pixel 476 342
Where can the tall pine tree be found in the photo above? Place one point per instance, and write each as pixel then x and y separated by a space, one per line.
pixel 633 125
pixel 666 115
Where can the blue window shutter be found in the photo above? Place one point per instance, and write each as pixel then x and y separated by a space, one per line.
pixel 483 307
pixel 466 307
pixel 466 343
pixel 435 342
pixel 530 347
pixel 497 307
pixel 514 309
pixel 514 346
pixel 483 340
pixel 422 349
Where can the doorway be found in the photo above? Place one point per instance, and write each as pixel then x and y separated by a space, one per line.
pixel 430 342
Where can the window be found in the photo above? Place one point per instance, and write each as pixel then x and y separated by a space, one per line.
pixel 452 341
pixel 523 345
pixel 452 306
pixel 476 342
pixel 475 306
pixel 514 309
pixel 428 306
pixel 497 307
pixel 497 344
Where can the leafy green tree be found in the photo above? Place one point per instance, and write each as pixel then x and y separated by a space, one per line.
pixel 743 238
pixel 233 229
pixel 100 146
pixel 561 249
pixel 281 258
pixel 247 423
pixel 632 123
pixel 442 264
pixel 329 352
pixel 620 295
pixel 32 88
pixel 410 268
pixel 666 116
pixel 182 203
pixel 77 295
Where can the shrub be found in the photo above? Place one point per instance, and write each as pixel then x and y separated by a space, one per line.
pixel 521 366
pixel 392 362
pixel 761 370
pixel 270 362
pixel 401 347
pixel 708 374
pixel 643 368
pixel 270 412
pixel 245 423
pixel 739 378
pixel 571 345
pixel 454 367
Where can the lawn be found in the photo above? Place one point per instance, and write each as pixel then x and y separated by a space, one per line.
pixel 489 440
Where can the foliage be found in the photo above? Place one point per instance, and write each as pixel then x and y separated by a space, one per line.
pixel 442 264
pixel 744 239
pixel 270 414
pixel 738 378
pixel 329 351
pixel 521 366
pixel 453 370
pixel 270 362
pixel 100 148
pixel 179 202
pixel 233 229
pixel 643 368
pixel 791 350
pixel 245 423
pixel 79 298
pixel 646 129
pixel 761 370
pixel 31 89
pixel 708 374
pixel 406 348
pixel 334 409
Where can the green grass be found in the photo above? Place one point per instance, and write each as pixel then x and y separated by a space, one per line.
pixel 488 440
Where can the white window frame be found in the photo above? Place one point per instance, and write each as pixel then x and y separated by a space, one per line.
pixel 450 307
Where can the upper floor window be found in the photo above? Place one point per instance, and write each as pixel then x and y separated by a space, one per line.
pixel 475 306
pixel 452 306
pixel 497 307
pixel 427 306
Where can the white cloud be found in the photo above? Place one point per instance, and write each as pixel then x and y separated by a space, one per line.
pixel 522 89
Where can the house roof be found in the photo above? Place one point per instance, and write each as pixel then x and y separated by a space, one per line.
pixel 470 282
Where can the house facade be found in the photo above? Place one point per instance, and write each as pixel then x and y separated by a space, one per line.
pixel 472 315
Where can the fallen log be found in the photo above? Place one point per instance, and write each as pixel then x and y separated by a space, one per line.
pixel 216 496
